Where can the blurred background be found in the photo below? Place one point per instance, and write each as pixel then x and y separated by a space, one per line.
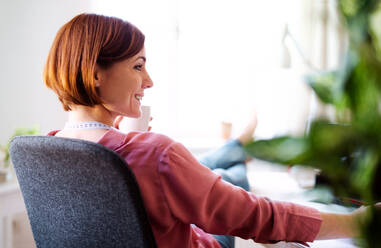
pixel 211 61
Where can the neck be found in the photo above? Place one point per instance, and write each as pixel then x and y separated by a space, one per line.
pixel 97 113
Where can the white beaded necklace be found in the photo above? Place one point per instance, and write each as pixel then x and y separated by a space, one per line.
pixel 87 125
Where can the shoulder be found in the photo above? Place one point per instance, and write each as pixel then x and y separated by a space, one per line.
pixel 136 140
pixel 150 145
pixel 150 139
pixel 168 148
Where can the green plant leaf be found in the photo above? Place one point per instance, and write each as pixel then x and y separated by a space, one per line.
pixel 284 150
pixel 18 132
pixel 322 84
pixel 349 152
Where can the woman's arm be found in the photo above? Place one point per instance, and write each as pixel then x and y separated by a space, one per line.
pixel 196 195
pixel 343 225
pixel 338 226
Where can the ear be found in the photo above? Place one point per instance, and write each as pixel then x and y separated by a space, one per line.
pixel 97 76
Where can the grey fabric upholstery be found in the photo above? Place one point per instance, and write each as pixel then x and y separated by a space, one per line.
pixel 79 194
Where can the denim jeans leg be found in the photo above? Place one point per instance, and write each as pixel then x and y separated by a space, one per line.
pixel 235 175
pixel 229 162
pixel 227 155
pixel 225 241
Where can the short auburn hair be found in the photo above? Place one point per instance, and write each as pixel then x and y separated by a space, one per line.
pixel 85 41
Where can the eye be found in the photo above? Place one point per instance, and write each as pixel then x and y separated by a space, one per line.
pixel 138 67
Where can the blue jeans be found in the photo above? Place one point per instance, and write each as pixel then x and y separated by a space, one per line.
pixel 229 162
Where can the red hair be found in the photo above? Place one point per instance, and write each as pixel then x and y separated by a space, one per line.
pixel 85 41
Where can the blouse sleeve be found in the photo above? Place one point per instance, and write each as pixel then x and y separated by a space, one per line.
pixel 196 195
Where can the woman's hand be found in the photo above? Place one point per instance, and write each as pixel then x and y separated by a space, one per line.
pixel 117 121
pixel 149 127
pixel 119 118
pixel 336 226
pixel 360 214
pixel 343 225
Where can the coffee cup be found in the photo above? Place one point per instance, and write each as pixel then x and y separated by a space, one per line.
pixel 140 124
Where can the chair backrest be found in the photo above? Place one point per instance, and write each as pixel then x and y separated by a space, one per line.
pixel 79 194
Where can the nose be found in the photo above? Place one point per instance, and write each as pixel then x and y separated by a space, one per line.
pixel 147 83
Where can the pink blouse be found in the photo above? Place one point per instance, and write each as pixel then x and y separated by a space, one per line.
pixel 178 191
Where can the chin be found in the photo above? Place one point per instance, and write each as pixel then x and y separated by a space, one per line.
pixel 134 115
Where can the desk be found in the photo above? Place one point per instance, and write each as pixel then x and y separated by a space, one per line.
pixel 11 202
pixel 335 243
pixel 273 181
pixel 276 183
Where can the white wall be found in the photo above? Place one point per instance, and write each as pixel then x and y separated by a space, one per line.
pixel 27 29
pixel 247 75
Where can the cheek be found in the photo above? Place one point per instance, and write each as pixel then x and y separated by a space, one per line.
pixel 121 86
pixel 132 85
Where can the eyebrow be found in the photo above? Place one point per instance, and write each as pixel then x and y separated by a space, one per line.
pixel 142 57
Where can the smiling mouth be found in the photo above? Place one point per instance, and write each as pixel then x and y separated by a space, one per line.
pixel 138 97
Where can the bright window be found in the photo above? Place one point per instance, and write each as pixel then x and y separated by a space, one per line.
pixel 214 61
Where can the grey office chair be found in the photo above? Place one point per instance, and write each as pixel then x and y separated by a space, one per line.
pixel 79 194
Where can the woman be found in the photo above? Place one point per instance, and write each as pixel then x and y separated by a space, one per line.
pixel 96 66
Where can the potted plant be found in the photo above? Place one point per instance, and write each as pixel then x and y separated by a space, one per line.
pixel 5 167
pixel 348 152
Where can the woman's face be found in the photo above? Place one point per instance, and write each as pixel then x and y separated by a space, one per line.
pixel 122 85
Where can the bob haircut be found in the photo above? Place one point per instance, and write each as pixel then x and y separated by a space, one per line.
pixel 84 42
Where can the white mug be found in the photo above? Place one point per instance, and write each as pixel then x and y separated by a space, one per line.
pixel 140 124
